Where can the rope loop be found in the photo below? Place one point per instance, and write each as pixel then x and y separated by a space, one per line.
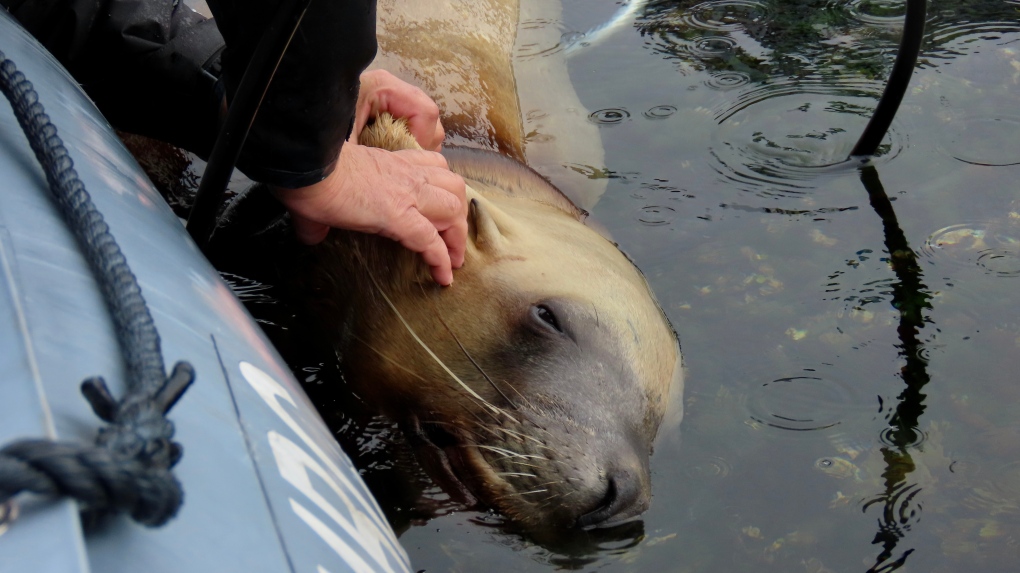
pixel 128 470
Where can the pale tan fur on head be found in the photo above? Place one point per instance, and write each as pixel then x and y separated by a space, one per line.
pixel 388 133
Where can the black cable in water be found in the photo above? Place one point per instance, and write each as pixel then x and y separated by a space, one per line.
pixel 899 79
pixel 241 115
pixel 910 298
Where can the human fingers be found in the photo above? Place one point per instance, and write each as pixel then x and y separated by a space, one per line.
pixel 451 186
pixel 446 212
pixel 415 232
pixel 403 100
pixel 456 242
pixel 426 129
pixel 383 92
pixel 440 137
pixel 443 202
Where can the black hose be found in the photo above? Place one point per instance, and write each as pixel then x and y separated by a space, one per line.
pixel 129 469
pixel 899 79
pixel 241 115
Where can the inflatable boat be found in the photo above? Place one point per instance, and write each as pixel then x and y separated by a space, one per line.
pixel 265 485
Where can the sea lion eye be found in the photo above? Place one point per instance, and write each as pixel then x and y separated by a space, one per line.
pixel 545 315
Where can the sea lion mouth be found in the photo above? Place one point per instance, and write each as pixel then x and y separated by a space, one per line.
pixel 441 452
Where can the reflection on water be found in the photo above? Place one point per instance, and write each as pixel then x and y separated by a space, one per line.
pixel 992 245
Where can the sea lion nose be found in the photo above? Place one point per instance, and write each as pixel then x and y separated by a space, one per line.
pixel 627 493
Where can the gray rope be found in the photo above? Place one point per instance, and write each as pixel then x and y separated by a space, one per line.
pixel 129 468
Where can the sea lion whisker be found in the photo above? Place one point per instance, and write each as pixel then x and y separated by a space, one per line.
pixel 388 359
pixel 421 343
pixel 467 354
pixel 515 474
pixel 548 501
pixel 515 494
pixel 477 418
pixel 522 436
pixel 560 496
pixel 523 493
pixel 499 429
pixel 521 396
pixel 507 453
pixel 497 433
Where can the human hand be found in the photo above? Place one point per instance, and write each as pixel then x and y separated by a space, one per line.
pixel 409 196
pixel 381 92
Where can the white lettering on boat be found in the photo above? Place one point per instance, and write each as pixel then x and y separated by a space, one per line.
pixel 294 464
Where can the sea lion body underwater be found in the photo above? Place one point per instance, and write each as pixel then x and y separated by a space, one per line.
pixel 537 382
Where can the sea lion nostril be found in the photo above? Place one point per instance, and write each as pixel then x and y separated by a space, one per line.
pixel 605 510
pixel 626 495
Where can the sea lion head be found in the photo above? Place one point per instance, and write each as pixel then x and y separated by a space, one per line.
pixel 536 383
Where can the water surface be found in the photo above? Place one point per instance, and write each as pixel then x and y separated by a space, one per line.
pixel 823 433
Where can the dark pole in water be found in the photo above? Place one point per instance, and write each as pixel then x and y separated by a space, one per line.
pixel 252 88
pixel 896 87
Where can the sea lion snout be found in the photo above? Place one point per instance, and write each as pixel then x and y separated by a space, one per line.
pixel 627 490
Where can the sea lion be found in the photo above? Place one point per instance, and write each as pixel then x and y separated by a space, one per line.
pixel 535 385
pixel 537 382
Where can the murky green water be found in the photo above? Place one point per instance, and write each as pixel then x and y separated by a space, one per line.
pixel 775 273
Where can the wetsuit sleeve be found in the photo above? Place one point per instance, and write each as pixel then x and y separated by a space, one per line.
pixel 149 65
pixel 153 67
pixel 309 109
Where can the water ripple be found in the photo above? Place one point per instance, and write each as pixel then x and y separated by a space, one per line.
pixel 725 81
pixel 659 112
pixel 951 38
pixel 609 116
pixel 710 468
pixel 992 246
pixel 984 140
pixel 802 403
pixel 883 13
pixel 726 15
pixel 889 437
pixel 779 138
pixel 708 47
pixel 656 215
pixel 815 85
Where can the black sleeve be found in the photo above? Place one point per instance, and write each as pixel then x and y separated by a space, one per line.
pixel 150 66
pixel 309 109
pixel 153 67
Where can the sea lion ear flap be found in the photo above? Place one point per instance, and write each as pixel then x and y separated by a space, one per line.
pixel 482 228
